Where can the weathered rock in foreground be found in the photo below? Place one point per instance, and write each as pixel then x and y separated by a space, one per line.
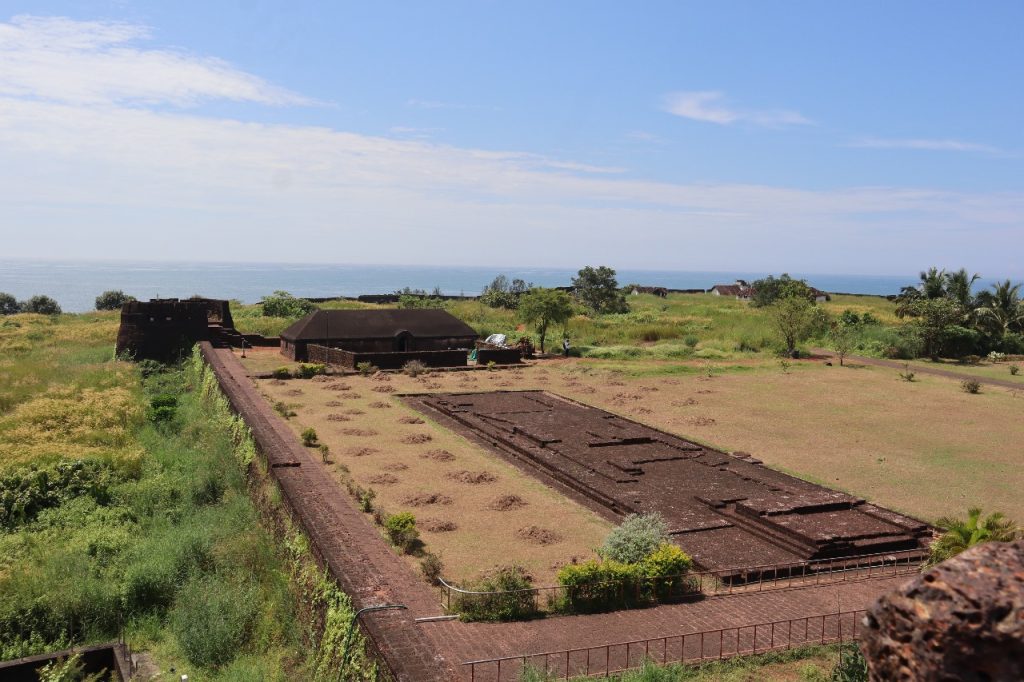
pixel 963 620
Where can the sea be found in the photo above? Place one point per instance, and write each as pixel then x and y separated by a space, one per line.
pixel 75 284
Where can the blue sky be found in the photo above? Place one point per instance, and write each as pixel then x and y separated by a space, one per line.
pixel 874 138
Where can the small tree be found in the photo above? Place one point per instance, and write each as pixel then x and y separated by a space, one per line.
pixel 771 289
pixel 501 293
pixel 934 318
pixel 112 300
pixel 598 289
pixel 283 304
pixel 8 304
pixel 843 337
pixel 43 305
pixel 544 307
pixel 794 318
pixel 636 537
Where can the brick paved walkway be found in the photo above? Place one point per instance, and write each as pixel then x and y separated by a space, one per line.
pixel 372 573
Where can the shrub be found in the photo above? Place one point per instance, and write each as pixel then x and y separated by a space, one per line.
pixel 664 567
pixel 8 304
pixel 996 356
pixel 1014 370
pixel 310 370
pixel 692 341
pixel 785 365
pixel 43 305
pixel 508 604
pixel 281 373
pixel 971 359
pixel 602 585
pixel 162 408
pixel 401 530
pixel 432 568
pixel 283 304
pixel 325 452
pixel 366 368
pixel 283 410
pixel 907 374
pixel 635 538
pixel 366 498
pixel 211 620
pixel 414 368
pixel 149 368
pixel 309 437
pixel 112 300
pixel 970 386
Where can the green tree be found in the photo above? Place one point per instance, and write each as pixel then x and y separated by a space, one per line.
pixel 544 307
pixel 43 305
pixel 8 304
pixel 1001 310
pixel 935 317
pixel 771 289
pixel 958 287
pixel 794 317
pixel 960 534
pixel 112 300
pixel 283 304
pixel 598 290
pixel 843 335
pixel 501 293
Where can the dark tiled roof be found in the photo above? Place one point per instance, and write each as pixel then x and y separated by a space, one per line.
pixel 728 289
pixel 377 324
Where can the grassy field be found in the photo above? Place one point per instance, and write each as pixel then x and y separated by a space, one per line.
pixel 680 327
pixel 986 369
pixel 117 517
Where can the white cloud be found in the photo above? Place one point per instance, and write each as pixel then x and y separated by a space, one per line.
pixel 709 106
pixel 90 172
pixel 940 145
pixel 95 62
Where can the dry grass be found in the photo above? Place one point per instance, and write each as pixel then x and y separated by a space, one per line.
pixel 924 448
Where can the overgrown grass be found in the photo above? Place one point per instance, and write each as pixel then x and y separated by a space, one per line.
pixel 154 534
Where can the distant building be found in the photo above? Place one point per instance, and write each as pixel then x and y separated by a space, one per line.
pixel 410 333
pixel 740 290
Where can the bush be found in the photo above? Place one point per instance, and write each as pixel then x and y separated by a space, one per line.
pixel 366 368
pixel 42 305
pixel 366 498
pixel 162 408
pixel 508 604
pixel 112 300
pixel 414 368
pixel 309 437
pixel 1014 370
pixel 432 568
pixel 970 386
pixel 852 667
pixel 664 568
pixel 907 374
pixel 602 585
pixel 283 304
pixel 1012 344
pixel 211 620
pixel 401 530
pixel 310 370
pixel 283 410
pixel 8 304
pixel 691 340
pixel 637 536
pixel 281 373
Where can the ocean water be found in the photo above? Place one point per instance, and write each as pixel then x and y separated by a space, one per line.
pixel 75 285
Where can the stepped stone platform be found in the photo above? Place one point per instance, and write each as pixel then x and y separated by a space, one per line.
pixel 726 510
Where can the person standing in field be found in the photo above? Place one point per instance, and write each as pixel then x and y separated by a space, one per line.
pixel 565 346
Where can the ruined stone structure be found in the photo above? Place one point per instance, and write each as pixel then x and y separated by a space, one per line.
pixel 405 332
pixel 962 620
pixel 164 328
pixel 727 511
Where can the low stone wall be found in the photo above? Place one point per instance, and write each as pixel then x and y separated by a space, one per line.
pixel 343 539
pixel 112 657
pixel 350 360
pixel 499 356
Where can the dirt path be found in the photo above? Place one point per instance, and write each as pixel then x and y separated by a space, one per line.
pixel 897 364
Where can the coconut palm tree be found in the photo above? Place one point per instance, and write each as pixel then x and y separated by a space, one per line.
pixel 1001 310
pixel 961 534
pixel 958 286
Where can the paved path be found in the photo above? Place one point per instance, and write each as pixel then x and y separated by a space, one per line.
pixel 372 573
pixel 899 364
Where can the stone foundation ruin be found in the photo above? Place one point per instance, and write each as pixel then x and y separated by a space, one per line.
pixel 727 511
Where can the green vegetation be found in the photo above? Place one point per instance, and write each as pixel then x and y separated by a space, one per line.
pixel 507 596
pixel 283 304
pixel 545 307
pixel 112 300
pixel 598 290
pixel 401 530
pixel 124 507
pixel 637 536
pixel 961 534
